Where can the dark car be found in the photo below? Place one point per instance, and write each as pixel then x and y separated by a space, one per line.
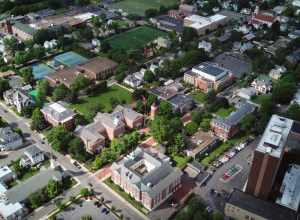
pixel 104 210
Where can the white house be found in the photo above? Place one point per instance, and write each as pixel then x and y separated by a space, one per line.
pixel 32 156
pixel 206 46
pixel 262 84
pixel 9 140
pixel 50 44
pixel 246 93
pixel 277 72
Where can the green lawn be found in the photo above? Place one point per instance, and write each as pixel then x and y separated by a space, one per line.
pixel 139 7
pixel 260 98
pixel 103 98
pixel 126 196
pixel 135 38
pixel 198 96
pixel 224 112
pixel 180 161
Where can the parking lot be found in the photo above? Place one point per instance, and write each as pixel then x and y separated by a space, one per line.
pixel 215 191
pixel 76 211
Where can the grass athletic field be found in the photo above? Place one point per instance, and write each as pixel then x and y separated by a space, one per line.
pixel 140 6
pixel 136 38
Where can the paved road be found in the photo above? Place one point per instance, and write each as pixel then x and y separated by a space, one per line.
pixel 82 176
pixel 242 158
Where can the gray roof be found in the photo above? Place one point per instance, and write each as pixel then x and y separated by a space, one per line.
pixel 33 150
pixel 22 191
pixel 91 132
pixel 7 135
pixel 267 210
pixel 59 111
pixel 156 179
pixel 235 117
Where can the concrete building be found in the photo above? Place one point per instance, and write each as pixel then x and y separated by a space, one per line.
pixel 290 189
pixel 57 113
pixel 268 156
pixel 205 24
pixel 147 176
pixel 243 206
pixel 9 140
pixel 209 76
pixel 32 156
pixel 201 143
pixel 226 128
pixel 108 126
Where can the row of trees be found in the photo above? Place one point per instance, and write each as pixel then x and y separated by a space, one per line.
pixel 116 148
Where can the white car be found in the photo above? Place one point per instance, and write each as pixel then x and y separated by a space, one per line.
pixel 224 159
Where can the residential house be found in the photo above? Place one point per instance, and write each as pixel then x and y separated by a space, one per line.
pixel 294 57
pixel 262 84
pixel 226 128
pixel 246 93
pixel 6 175
pixel 50 44
pixel 9 140
pixel 182 103
pixel 263 18
pixel 134 80
pixel 19 98
pixel 147 176
pixel 205 45
pixel 205 24
pixel 32 156
pixel 162 42
pixel 201 143
pixel 57 113
pixel 209 76
pixel 108 126
pixel 277 72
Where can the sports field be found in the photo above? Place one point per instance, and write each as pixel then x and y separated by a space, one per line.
pixel 134 39
pixel 140 6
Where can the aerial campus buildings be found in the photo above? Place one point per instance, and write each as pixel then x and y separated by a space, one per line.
pixel 147 176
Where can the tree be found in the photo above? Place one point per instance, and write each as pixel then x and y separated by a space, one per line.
pixel 179 144
pixel 165 109
pixel 53 189
pixel 43 89
pixel 86 217
pixel 284 90
pixel 85 192
pixel 247 123
pixel 294 112
pixel 160 129
pixel 59 138
pixel 189 34
pixel 27 75
pixel 149 76
pixel 4 85
pixel 36 199
pixel 81 82
pixel 77 150
pixel 191 128
pixel 217 216
pixel 151 12
pixel 60 92
pixel 38 122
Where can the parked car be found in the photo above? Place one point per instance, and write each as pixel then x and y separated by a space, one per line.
pixel 104 210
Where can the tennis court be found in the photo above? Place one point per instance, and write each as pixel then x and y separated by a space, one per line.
pixel 41 70
pixel 70 59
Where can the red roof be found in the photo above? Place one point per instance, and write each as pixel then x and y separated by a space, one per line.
pixel 265 18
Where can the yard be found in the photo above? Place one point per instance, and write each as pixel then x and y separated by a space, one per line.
pixel 224 112
pixel 87 104
pixel 181 161
pixel 135 38
pixel 198 96
pixel 139 7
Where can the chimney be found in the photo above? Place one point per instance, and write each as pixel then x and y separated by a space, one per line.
pixel 153 112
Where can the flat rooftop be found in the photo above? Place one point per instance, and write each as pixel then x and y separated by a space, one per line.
pixel 275 136
pixel 290 188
